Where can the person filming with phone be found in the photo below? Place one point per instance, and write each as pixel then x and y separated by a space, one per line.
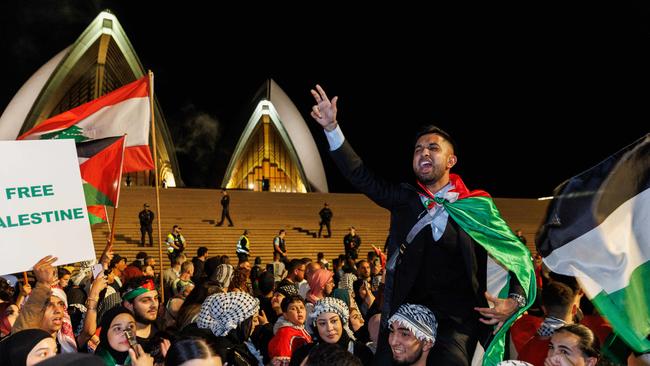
pixel 114 346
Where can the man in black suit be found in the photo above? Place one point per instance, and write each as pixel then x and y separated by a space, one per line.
pixel 433 260
pixel 326 215
pixel 146 224
pixel 225 205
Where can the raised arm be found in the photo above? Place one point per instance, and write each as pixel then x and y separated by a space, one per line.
pixel 33 310
pixel 383 193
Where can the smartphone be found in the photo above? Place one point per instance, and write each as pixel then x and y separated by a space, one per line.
pixel 98 269
pixel 130 337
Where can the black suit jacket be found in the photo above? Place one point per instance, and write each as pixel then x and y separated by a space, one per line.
pixel 406 208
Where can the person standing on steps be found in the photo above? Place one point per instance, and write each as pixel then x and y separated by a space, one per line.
pixel 325 218
pixel 243 247
pixel 351 244
pixel 279 245
pixel 225 206
pixel 146 224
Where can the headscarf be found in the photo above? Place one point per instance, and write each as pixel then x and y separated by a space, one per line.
pixel 65 336
pixel 332 305
pixel 15 348
pixel 317 284
pixel 104 350
pixel 347 280
pixel 287 290
pixel 223 275
pixel 223 312
pixel 418 319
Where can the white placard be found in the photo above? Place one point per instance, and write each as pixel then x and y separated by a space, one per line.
pixel 42 206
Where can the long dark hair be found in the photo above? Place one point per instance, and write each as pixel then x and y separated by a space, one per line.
pixel 186 350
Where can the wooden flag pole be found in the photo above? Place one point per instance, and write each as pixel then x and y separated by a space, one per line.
pixel 119 183
pixel 111 235
pixel 155 172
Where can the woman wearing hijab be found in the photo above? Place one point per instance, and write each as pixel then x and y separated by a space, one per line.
pixel 113 344
pixel 330 322
pixel 321 284
pixel 232 317
pixel 27 347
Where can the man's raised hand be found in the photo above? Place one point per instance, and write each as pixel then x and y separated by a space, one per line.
pixel 324 112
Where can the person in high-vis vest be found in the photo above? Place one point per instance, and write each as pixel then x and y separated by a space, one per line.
pixel 175 243
pixel 243 247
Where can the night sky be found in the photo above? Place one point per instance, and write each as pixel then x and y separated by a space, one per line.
pixel 532 95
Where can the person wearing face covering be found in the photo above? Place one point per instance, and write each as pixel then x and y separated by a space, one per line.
pixel 27 347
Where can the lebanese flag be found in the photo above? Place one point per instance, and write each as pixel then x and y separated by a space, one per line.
pixel 598 229
pixel 122 111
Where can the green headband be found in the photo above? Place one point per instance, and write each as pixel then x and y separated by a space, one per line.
pixel 144 288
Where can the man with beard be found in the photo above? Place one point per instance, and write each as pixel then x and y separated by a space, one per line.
pixel 140 296
pixel 439 240
pixel 412 334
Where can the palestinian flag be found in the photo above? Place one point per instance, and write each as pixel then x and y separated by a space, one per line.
pixel 100 163
pixel 476 213
pixel 97 214
pixel 122 111
pixel 598 229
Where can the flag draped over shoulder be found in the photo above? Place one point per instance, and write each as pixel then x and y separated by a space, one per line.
pixel 122 111
pixel 100 163
pixel 598 229
pixel 476 213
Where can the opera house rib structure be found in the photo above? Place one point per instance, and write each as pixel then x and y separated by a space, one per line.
pixel 276 152
pixel 101 60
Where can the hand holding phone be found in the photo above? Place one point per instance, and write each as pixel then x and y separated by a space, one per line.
pixel 98 270
pixel 133 343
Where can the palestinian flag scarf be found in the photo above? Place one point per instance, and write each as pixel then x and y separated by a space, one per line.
pixel 476 213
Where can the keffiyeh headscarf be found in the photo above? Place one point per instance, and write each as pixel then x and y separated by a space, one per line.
pixel 332 305
pixel 65 336
pixel 418 319
pixel 223 312
pixel 346 281
pixel 287 290
pixel 223 275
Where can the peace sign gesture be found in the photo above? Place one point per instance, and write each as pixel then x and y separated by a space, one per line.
pixel 324 112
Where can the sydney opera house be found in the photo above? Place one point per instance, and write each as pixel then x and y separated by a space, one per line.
pixel 275 152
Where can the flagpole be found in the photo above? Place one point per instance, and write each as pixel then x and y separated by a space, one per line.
pixel 112 231
pixel 106 214
pixel 155 172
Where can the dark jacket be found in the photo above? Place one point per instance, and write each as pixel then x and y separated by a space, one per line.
pixel 325 214
pixel 406 208
pixel 225 202
pixel 146 218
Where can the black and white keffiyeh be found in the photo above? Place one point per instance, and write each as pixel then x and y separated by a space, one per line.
pixel 288 290
pixel 513 363
pixel 418 319
pixel 332 305
pixel 223 275
pixel 222 312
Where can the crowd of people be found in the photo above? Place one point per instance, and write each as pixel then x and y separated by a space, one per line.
pixel 423 300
